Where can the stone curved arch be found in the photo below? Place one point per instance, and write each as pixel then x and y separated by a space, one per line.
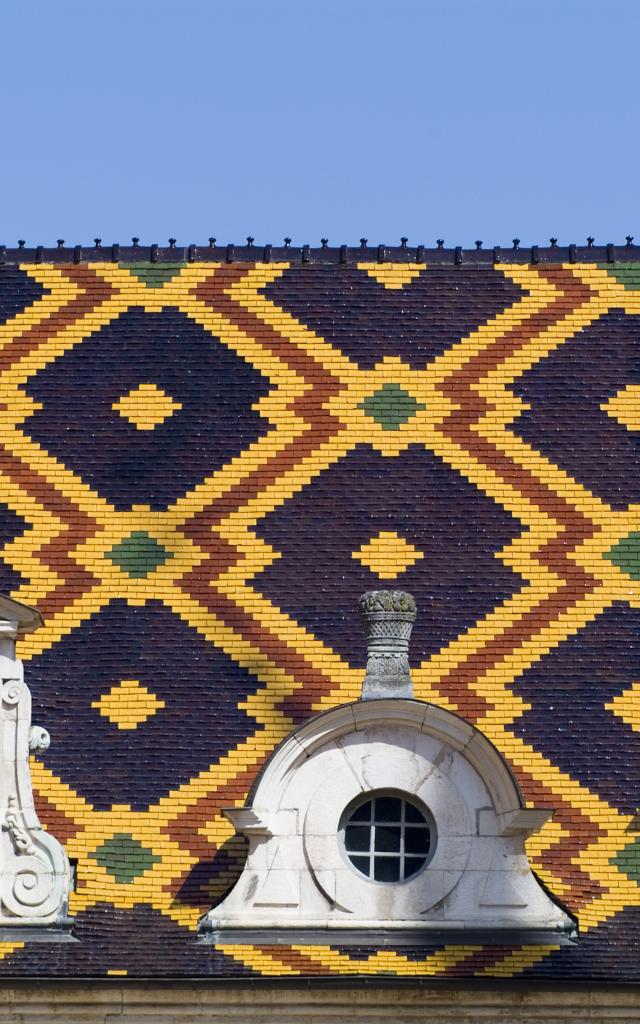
pixel 443 725
pixel 297 881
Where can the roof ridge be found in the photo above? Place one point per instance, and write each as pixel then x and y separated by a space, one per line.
pixel 324 254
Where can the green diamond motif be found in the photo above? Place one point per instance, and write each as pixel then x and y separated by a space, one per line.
pixel 626 274
pixel 154 275
pixel 626 555
pixel 138 554
pixel 391 406
pixel 628 860
pixel 124 857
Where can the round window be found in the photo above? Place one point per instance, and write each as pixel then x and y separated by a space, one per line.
pixel 387 838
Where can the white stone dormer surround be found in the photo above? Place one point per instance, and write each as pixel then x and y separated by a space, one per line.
pixel 35 877
pixel 322 868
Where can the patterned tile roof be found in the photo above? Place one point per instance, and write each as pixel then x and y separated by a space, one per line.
pixel 203 464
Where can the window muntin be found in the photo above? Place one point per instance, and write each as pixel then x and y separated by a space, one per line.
pixel 387 838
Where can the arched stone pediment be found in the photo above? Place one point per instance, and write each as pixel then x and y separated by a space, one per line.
pixel 299 877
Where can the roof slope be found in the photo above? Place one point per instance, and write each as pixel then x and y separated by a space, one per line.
pixel 204 464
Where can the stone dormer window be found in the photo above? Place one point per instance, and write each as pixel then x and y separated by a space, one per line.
pixel 34 875
pixel 387 820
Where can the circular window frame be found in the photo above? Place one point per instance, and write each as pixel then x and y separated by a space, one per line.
pixel 410 798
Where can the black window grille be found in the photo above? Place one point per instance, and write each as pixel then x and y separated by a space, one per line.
pixel 388 839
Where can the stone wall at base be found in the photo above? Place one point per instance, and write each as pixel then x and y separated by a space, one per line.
pixel 95 1003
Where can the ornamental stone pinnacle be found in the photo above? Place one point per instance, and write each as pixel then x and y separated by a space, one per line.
pixel 388 617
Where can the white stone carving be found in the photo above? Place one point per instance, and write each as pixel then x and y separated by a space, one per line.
pixel 34 869
pixel 298 877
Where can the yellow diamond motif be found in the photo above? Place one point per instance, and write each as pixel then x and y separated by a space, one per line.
pixel 128 704
pixel 388 555
pixel 392 275
pixel 627 706
pixel 625 407
pixel 146 406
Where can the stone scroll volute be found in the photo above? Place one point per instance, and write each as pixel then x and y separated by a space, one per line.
pixel 34 868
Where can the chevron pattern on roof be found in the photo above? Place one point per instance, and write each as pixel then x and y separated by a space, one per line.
pixel 182 446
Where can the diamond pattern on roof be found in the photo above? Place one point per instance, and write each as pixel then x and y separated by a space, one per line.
pixel 387 555
pixel 138 554
pixel 124 857
pixel 128 704
pixel 210 557
pixel 391 406
pixel 146 406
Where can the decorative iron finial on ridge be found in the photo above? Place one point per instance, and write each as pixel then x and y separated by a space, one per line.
pixel 388 617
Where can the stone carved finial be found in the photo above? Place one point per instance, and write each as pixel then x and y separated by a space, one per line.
pixel 388 617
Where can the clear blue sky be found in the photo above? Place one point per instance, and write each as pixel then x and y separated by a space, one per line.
pixel 459 119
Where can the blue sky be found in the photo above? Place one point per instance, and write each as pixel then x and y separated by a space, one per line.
pixel 459 119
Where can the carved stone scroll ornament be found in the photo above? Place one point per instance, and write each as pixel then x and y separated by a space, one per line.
pixel 34 869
